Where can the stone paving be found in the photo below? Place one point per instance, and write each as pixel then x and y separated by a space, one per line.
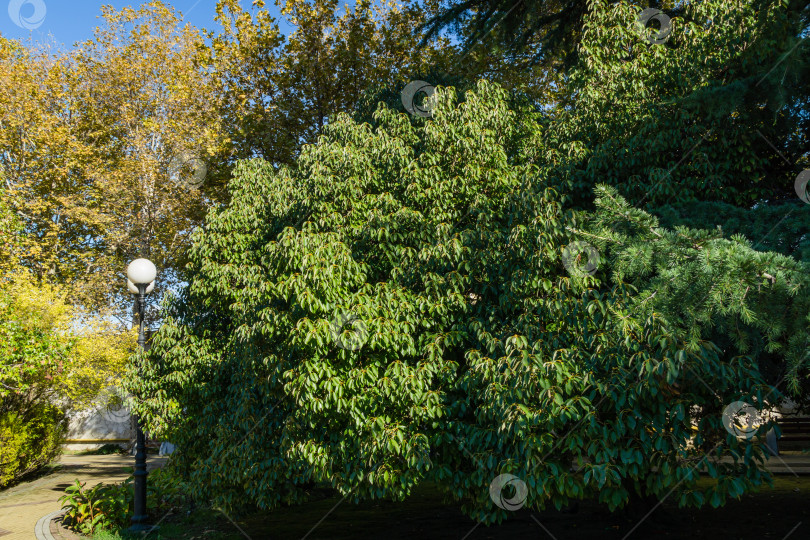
pixel 21 506
pixel 791 463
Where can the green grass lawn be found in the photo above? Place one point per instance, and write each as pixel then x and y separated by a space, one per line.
pixel 771 513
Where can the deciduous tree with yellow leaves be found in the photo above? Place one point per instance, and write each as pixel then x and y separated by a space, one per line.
pixel 105 150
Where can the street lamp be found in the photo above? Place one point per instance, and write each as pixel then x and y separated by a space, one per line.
pixel 141 275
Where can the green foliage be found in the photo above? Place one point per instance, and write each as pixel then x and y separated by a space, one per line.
pixel 783 228
pixel 713 114
pixel 544 30
pixel 100 507
pixel 165 489
pixel 31 349
pixel 29 440
pixel 110 506
pixel 46 368
pixel 477 349
pixel 33 357
pixel 707 284
pixel 481 353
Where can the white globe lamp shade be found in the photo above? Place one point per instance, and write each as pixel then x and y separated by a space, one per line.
pixel 134 289
pixel 141 271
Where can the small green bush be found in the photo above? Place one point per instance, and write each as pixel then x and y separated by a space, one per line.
pixel 29 440
pixel 109 507
pixel 165 489
pixel 100 507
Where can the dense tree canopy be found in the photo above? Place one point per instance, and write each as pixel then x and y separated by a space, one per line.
pixel 549 31
pixel 116 148
pixel 280 91
pixel 88 140
pixel 718 113
pixel 528 30
pixel 474 346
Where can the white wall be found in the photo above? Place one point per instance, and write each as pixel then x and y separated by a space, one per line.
pixel 96 424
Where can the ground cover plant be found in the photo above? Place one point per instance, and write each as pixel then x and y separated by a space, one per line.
pixel 90 509
pixel 109 507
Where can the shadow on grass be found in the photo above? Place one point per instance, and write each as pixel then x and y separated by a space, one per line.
pixel 104 450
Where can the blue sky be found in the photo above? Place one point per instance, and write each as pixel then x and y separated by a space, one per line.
pixel 70 21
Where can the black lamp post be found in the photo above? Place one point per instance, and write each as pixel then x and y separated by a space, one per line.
pixel 141 274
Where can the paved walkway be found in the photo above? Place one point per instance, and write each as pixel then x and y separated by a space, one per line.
pixel 22 505
pixel 792 463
